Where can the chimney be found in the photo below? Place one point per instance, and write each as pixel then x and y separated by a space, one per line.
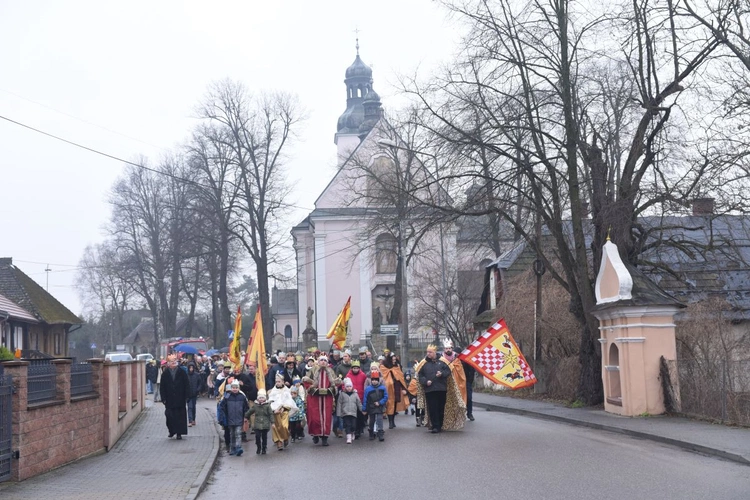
pixel 703 206
pixel 6 261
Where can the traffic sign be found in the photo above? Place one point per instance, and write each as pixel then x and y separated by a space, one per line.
pixel 389 329
pixel 93 346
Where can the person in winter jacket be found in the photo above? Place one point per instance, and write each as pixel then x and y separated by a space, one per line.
pixel 195 385
pixel 359 380
pixel 233 409
pixel 262 421
pixel 373 405
pixel 297 420
pixel 347 407
pixel 152 372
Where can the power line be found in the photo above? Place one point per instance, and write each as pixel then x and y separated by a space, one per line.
pixel 113 157
pixel 81 119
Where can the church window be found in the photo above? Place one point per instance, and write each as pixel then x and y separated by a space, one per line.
pixel 288 331
pixel 385 254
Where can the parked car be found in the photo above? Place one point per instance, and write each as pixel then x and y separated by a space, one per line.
pixel 144 357
pixel 116 357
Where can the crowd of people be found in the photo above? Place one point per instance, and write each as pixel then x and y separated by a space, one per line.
pixel 318 394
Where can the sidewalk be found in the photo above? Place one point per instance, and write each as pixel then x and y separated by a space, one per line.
pixel 143 464
pixel 730 443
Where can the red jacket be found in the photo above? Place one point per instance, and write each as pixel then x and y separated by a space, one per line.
pixel 358 381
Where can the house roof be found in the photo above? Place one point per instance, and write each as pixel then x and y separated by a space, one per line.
pixel 26 293
pixel 722 268
pixel 15 311
pixel 284 301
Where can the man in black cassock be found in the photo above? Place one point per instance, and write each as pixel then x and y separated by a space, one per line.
pixel 175 391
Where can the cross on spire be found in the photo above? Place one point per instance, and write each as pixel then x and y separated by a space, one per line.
pixel 356 31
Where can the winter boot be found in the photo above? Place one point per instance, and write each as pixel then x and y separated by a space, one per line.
pixel 348 439
pixel 257 451
pixel 381 436
pixel 372 436
pixel 263 451
pixel 325 440
pixel 239 452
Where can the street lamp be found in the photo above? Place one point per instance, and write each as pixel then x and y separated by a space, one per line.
pixel 394 145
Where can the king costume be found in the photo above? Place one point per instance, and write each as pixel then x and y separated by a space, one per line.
pixel 321 392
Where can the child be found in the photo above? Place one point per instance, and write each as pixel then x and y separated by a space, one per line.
pixel 233 408
pixel 346 407
pixel 373 405
pixel 263 420
pixel 297 420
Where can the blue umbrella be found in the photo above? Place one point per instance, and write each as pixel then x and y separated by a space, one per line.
pixel 211 352
pixel 186 348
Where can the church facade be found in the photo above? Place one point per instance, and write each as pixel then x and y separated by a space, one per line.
pixel 334 260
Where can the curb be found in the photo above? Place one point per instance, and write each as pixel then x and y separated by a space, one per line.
pixel 202 479
pixel 696 448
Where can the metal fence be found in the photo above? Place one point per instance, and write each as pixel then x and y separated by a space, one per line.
pixel 716 389
pixel 81 381
pixel 42 382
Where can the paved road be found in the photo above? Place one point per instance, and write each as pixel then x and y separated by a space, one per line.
pixel 497 456
pixel 143 464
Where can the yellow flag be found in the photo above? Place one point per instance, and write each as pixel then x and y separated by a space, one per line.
pixel 234 347
pixel 256 351
pixel 338 330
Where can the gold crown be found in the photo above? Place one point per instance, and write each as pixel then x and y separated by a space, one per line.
pixel 432 347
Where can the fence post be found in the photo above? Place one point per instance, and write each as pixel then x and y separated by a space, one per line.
pixel 723 390
pixel 62 379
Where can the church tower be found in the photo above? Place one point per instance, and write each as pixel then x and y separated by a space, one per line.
pixel 363 107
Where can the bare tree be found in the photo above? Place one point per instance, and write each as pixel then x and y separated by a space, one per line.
pixel 523 71
pixel 258 130
pixel 103 281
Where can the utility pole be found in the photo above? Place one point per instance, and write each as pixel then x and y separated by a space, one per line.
pixel 47 270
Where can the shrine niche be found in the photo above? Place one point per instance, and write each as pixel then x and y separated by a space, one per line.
pixel 636 324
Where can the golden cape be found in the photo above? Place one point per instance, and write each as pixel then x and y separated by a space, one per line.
pixel 390 377
pixel 457 370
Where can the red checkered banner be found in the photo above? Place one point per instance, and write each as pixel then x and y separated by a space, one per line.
pixel 496 356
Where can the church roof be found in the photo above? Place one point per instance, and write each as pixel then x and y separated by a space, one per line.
pixel 358 69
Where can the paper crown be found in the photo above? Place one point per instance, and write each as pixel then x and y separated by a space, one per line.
pixel 447 343
pixel 432 347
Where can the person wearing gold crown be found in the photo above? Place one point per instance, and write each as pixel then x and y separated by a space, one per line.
pixel 283 405
pixel 438 393
pixel 450 358
pixel 175 391
pixel 321 391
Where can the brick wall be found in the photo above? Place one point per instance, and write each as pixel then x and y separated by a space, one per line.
pixel 53 433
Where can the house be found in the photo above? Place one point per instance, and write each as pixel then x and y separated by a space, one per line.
pixel 48 334
pixel 717 266
pixel 141 339
pixel 15 322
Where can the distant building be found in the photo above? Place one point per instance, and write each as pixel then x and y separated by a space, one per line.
pixel 141 339
pixel 30 318
pixel 284 311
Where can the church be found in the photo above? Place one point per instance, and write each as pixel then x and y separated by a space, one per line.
pixel 334 259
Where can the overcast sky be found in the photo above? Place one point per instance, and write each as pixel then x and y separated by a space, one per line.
pixel 124 78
